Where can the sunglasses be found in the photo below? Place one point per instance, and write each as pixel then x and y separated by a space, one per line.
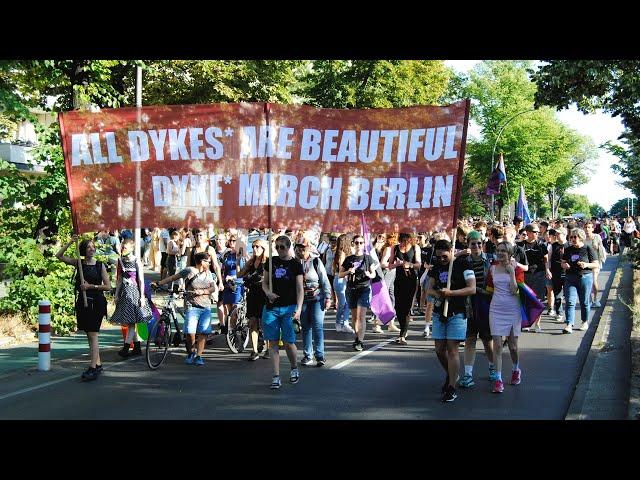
pixel 281 247
pixel 475 243
pixel 358 243
pixel 535 231
pixel 574 236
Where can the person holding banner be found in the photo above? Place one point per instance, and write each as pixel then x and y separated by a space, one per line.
pixel 406 259
pixel 317 299
pixel 89 318
pixel 359 269
pixel 131 304
pixel 505 312
pixel 450 330
pixel 284 305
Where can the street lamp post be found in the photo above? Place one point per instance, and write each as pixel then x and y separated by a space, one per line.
pixel 493 154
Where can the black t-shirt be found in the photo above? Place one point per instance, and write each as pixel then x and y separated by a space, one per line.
pixel 573 255
pixel 535 253
pixel 557 251
pixel 440 273
pixel 358 279
pixel 284 280
pixel 490 248
pixel 520 256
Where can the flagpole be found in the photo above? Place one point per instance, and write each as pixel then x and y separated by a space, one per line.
pixel 493 153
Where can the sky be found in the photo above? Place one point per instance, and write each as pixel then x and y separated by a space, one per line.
pixel 603 188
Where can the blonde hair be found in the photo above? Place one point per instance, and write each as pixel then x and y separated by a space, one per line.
pixel 265 249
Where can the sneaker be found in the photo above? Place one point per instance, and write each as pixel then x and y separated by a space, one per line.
pixel 294 376
pixel 449 395
pixel 376 329
pixel 253 356
pixel 265 354
pixel 526 329
pixel 567 329
pixel 198 361
pixel 516 377
pixel 190 358
pixel 275 382
pixel 99 368
pixel 339 328
pixel 466 381
pixel 89 374
pixel 559 317
pixel 306 361
pixel 537 329
pixel 426 333
pixel 392 328
pixel 552 313
pixel 370 319
pixel 446 383
pixel 223 329
pixel 596 304
pixel 498 387
pixel 346 328
pixel 585 326
pixel 358 346
pixel 493 374
pixel 320 362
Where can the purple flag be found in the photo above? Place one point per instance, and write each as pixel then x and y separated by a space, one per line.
pixel 381 304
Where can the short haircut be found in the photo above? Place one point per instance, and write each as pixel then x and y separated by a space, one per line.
pixel 480 224
pixel 544 224
pixel 497 231
pixel 442 245
pixel 199 257
pixel 284 239
pixel 579 232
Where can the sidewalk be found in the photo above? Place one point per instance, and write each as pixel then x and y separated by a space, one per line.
pixel 24 356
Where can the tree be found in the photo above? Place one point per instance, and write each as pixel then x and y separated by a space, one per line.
pixel 375 83
pixel 597 211
pixel 573 203
pixel 540 152
pixel 619 209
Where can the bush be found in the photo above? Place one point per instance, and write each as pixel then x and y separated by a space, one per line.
pixel 38 275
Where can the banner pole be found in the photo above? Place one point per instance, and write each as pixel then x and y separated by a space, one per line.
pixel 81 274
pixel 453 251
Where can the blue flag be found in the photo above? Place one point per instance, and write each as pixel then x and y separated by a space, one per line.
pixel 522 209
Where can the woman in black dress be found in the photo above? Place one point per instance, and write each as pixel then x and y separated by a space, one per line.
pixel 96 281
pixel 252 274
pixel 406 260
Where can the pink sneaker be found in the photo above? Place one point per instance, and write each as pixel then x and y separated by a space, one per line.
pixel 498 386
pixel 515 377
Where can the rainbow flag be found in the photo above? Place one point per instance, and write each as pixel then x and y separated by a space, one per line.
pixel 531 306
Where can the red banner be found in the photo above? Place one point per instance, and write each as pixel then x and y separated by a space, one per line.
pixel 257 165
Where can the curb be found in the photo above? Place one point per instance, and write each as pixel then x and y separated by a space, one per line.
pixel 602 388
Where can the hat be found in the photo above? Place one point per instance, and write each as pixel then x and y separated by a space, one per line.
pixel 530 228
pixel 474 235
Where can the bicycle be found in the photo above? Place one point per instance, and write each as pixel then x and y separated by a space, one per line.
pixel 161 336
pixel 238 336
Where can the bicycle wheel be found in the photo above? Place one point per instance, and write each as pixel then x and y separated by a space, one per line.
pixel 238 336
pixel 158 343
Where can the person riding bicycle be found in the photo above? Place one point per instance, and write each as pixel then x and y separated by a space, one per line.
pixel 199 284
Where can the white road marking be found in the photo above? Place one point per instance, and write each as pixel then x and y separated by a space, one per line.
pixel 361 354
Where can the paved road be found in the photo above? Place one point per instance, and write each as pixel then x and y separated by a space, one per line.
pixel 390 382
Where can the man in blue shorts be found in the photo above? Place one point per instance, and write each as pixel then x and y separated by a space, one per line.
pixel 450 330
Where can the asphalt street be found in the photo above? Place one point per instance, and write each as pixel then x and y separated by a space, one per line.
pixel 386 381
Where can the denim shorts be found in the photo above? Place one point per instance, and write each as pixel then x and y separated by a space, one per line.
pixel 197 320
pixel 453 329
pixel 277 319
pixel 359 297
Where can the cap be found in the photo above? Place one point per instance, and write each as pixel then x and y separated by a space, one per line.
pixel 530 228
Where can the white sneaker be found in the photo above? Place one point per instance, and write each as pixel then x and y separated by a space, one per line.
pixel 585 326
pixel 426 332
pixel 339 328
pixel 346 328
pixel 537 329
pixel 567 329
pixel 526 329
pixel 392 327
pixel 559 318
pixel 376 329
pixel 553 313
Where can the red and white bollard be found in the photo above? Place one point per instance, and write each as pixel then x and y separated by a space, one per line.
pixel 44 335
